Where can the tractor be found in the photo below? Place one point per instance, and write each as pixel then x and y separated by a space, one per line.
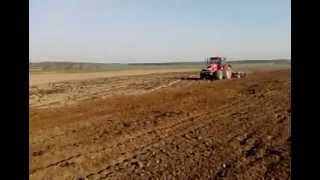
pixel 217 69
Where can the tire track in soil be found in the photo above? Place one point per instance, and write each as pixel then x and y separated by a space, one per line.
pixel 141 134
pixel 178 122
pixel 183 134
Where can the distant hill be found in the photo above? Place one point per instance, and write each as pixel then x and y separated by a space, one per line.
pixel 74 66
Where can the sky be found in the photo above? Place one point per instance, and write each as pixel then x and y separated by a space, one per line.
pixel 128 31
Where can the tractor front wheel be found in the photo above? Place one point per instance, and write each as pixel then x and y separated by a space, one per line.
pixel 202 76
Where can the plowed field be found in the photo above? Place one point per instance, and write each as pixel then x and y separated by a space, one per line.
pixel 162 126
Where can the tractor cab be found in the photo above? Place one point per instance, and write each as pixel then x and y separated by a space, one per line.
pixel 215 63
pixel 215 60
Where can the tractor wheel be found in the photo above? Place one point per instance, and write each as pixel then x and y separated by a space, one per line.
pixel 227 73
pixel 219 75
pixel 202 76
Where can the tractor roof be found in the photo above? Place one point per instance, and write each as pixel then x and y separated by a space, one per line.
pixel 217 57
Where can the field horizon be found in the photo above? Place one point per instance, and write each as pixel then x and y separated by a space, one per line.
pixel 64 66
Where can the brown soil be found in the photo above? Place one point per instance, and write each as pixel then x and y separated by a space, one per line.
pixel 160 126
pixel 63 93
pixel 51 77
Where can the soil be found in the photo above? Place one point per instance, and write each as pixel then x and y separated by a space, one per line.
pixel 162 126
pixel 54 77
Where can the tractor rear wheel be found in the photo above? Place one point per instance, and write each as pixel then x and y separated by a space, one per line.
pixel 219 75
pixel 227 73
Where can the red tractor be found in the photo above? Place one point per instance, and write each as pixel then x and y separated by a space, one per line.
pixel 216 69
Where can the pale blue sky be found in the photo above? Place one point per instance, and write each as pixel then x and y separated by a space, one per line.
pixel 158 30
